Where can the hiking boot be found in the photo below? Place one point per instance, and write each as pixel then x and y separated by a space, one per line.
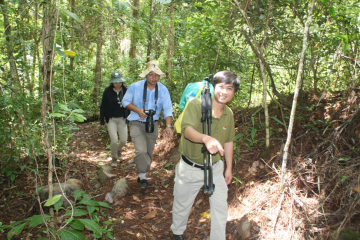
pixel 142 183
pixel 114 162
pixel 178 237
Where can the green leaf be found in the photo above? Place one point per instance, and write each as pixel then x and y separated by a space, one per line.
pixel 316 37
pixel 253 133
pixel 164 1
pixel 77 213
pixel 78 117
pixel 107 222
pixel 169 164
pixel 91 225
pixel 37 220
pixel 332 12
pixel 57 115
pixel 52 200
pixel 104 204
pixel 278 121
pixel 58 205
pixel 109 235
pixel 68 234
pixel 73 15
pixel 78 193
pixel 60 52
pixel 64 107
pixel 344 159
pixel 76 224
pixel 90 209
pixel 16 230
pixel 78 111
pixel 89 202
pixel 240 135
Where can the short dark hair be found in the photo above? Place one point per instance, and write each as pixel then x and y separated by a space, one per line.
pixel 226 77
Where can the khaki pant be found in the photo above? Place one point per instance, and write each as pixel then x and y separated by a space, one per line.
pixel 188 182
pixel 144 145
pixel 117 127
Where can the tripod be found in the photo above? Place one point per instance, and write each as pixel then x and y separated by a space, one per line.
pixel 206 110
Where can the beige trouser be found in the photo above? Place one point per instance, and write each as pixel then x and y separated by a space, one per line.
pixel 117 126
pixel 144 145
pixel 188 182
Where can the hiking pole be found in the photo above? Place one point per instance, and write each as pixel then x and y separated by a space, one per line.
pixel 207 117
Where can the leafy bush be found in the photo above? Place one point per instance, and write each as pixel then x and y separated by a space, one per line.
pixel 75 218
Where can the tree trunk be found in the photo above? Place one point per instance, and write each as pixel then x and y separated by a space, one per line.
pixel 35 48
pixel 134 32
pixel 265 105
pixel 296 94
pixel 150 32
pixel 72 24
pixel 9 48
pixel 257 49
pixel 171 41
pixel 97 80
pixel 47 39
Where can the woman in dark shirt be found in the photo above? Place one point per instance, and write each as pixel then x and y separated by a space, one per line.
pixel 112 111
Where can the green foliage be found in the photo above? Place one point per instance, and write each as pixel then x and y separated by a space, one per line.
pixel 237 180
pixel 249 138
pixel 83 207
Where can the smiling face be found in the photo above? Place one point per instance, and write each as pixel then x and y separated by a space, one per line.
pixel 224 93
pixel 152 78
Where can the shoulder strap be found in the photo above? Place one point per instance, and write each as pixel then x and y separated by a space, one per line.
pixel 145 92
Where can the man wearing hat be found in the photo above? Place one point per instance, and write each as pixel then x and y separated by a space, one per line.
pixel 115 114
pixel 146 99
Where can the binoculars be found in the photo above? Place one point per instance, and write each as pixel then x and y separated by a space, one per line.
pixel 149 124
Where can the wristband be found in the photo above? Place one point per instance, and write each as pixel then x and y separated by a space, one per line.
pixel 169 126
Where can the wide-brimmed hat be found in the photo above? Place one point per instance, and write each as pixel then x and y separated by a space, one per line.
pixel 116 77
pixel 152 66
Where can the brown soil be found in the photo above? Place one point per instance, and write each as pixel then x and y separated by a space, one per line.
pixel 316 199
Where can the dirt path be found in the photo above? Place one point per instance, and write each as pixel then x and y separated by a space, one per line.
pixel 130 213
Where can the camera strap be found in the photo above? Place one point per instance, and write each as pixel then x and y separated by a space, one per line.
pixel 145 92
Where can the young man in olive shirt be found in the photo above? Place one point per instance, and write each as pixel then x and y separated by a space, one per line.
pixel 189 177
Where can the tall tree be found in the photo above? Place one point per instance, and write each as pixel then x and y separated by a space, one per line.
pixel 99 43
pixel 134 33
pixel 258 50
pixel 296 94
pixel 170 41
pixel 149 47
pixel 48 39
pixel 72 34
pixel 9 48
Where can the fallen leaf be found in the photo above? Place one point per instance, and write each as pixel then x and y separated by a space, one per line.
pixel 205 215
pixel 151 198
pixel 150 215
pixel 136 198
pixel 154 228
pixel 198 202
pixel 357 189
pixel 147 227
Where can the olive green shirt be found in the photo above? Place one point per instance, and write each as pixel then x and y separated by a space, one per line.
pixel 222 130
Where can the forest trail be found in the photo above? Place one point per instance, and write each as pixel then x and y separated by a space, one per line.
pixel 257 206
pixel 140 214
